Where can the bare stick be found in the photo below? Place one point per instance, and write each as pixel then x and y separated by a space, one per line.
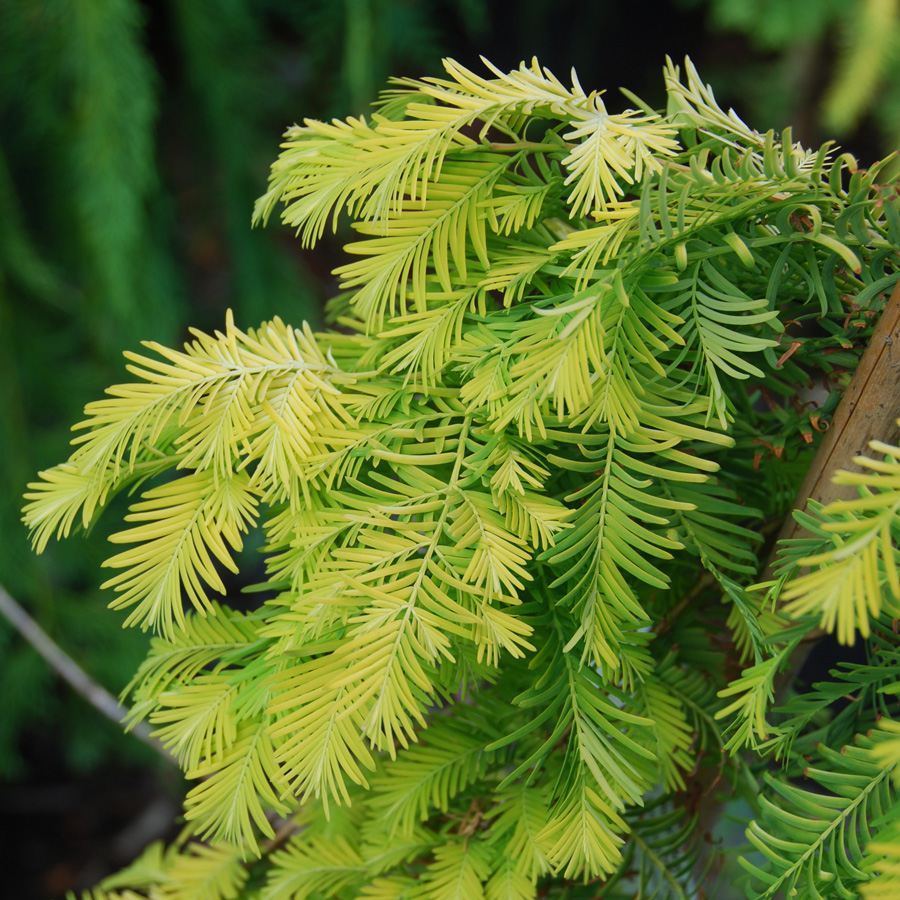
pixel 868 410
pixel 63 664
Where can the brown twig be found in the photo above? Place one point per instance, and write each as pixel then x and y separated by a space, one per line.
pixel 867 411
pixel 284 829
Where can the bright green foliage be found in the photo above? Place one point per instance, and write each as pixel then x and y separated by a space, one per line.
pixel 509 505
pixel 812 840
pixel 134 138
pixel 668 850
pixel 884 851
pixel 851 581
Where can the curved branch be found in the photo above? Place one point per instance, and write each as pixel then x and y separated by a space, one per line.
pixel 72 673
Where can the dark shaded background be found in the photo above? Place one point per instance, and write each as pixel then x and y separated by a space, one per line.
pixel 134 137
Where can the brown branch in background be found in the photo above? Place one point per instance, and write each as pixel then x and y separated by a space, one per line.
pixel 64 666
pixel 868 411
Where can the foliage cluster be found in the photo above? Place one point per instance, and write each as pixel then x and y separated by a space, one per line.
pixel 124 199
pixel 511 507
pixel 124 196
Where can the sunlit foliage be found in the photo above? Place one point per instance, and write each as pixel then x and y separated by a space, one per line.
pixel 510 506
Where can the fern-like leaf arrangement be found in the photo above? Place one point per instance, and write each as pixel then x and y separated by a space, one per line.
pixel 510 507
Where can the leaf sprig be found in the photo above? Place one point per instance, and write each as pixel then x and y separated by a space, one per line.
pixel 509 505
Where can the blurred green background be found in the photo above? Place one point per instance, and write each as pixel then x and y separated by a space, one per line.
pixel 134 137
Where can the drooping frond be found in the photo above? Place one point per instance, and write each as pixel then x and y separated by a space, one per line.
pixel 715 332
pixel 310 867
pixel 458 872
pixel 620 527
pixel 510 509
pixel 202 872
pixel 196 722
pixel 607 765
pixel 573 700
pixel 521 815
pixel 813 840
pixel 65 491
pixel 695 690
pixel 714 530
pixel 754 690
pixel 197 410
pixel 583 835
pixel 427 776
pixel 671 731
pixel 666 857
pixel 508 883
pixel 188 525
pixel 209 642
pixel 426 338
pixel 321 744
pixel 230 804
pixel 391 274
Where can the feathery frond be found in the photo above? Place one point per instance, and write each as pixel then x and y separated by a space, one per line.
pixel 201 872
pixel 854 580
pixel 510 509
pixel 665 857
pixel 458 872
pixel 190 523
pixel 813 841
pixel 308 867
pixel 239 788
pixel 427 776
